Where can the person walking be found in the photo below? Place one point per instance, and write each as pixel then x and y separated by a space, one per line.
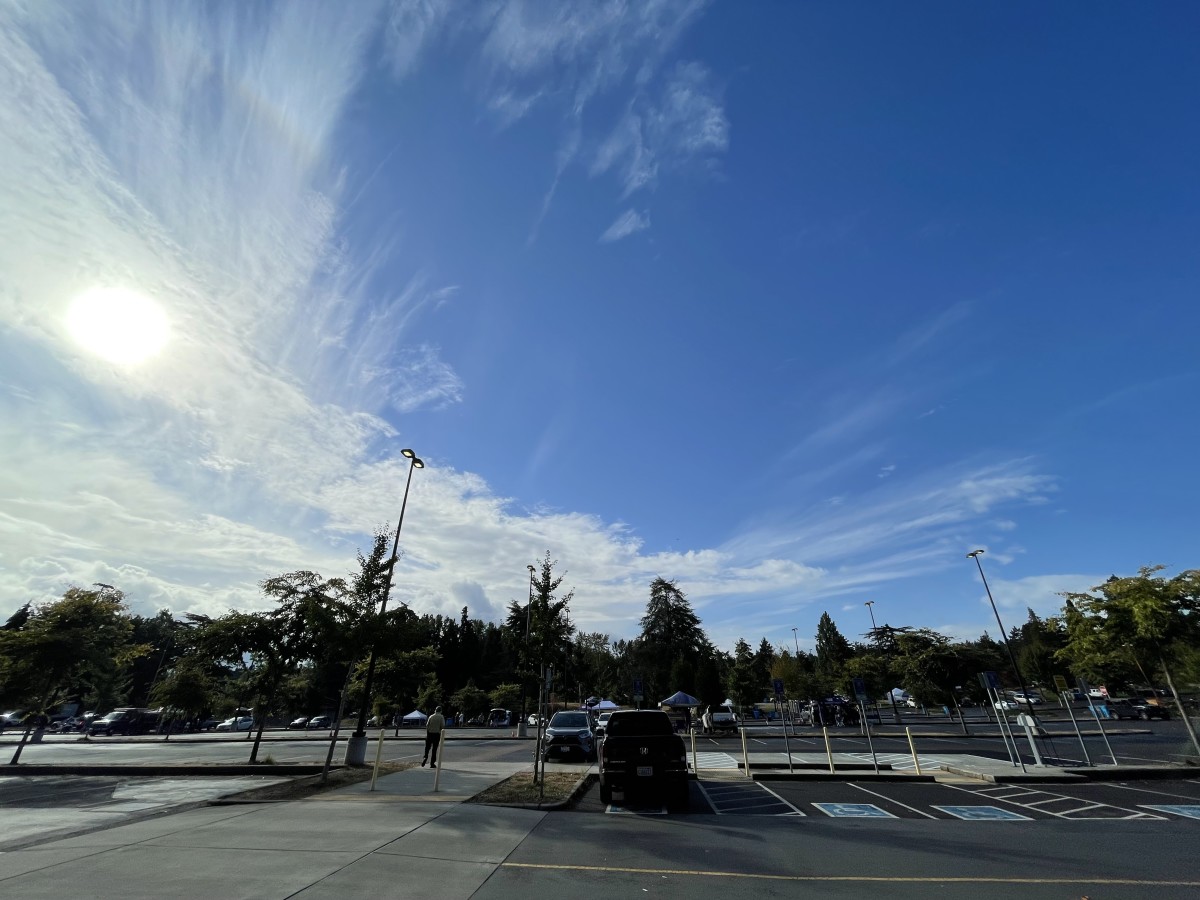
pixel 433 736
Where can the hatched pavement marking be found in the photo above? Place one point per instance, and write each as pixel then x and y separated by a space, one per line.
pixel 1072 813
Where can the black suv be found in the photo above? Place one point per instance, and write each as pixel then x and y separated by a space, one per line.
pixel 1138 708
pixel 569 733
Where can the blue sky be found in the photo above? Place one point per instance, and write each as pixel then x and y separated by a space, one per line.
pixel 793 303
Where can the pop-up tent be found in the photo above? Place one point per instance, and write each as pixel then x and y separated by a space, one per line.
pixel 601 704
pixel 680 699
pixel 416 716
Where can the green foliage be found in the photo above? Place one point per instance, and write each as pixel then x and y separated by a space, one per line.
pixel 470 700
pixel 549 624
pixel 1144 618
pixel 430 695
pixel 62 647
pixel 186 687
pixel 743 684
pixel 506 696
pixel 832 649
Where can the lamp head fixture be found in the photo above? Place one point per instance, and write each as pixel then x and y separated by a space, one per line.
pixel 417 463
pixel 408 453
pixel 974 554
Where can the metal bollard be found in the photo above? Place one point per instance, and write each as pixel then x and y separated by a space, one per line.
pixel 378 758
pixel 913 749
pixel 441 752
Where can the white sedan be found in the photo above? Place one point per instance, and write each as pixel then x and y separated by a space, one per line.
pixel 240 723
pixel 1008 705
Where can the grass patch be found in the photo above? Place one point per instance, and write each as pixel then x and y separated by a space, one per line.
pixel 299 788
pixel 522 790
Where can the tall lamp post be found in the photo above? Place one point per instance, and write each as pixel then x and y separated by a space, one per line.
pixel 974 554
pixel 523 725
pixel 356 747
pixel 796 638
pixel 870 605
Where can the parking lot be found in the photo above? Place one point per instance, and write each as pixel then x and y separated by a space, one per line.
pixel 973 802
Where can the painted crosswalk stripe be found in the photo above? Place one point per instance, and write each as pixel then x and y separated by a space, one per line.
pixel 983 813
pixel 715 760
pixel 854 811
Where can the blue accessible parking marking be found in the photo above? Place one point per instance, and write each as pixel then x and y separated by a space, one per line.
pixel 854 811
pixel 1190 812
pixel 983 813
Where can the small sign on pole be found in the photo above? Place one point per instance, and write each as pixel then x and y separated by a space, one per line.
pixel 860 691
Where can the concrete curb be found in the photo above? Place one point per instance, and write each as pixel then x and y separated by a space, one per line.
pixel 581 788
pixel 1075 776
pixel 143 771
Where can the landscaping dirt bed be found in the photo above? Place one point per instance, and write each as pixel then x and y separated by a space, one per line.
pixel 522 790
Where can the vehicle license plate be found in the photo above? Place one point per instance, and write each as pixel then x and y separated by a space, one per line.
pixel 645 771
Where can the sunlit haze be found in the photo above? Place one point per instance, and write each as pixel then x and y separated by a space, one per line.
pixel 119 325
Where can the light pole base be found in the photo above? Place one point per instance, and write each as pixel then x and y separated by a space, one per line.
pixel 356 750
pixel 522 729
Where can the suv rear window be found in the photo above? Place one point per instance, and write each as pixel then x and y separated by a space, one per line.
pixel 645 722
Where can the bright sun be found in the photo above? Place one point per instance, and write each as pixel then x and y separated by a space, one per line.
pixel 120 325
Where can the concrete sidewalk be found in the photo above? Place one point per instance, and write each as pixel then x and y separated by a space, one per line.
pixel 404 837
pixel 939 766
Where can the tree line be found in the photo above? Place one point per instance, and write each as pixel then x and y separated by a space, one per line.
pixel 307 652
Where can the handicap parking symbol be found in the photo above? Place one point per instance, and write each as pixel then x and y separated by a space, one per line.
pixel 983 813
pixel 853 811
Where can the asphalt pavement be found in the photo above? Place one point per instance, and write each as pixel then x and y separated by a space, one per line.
pixel 409 840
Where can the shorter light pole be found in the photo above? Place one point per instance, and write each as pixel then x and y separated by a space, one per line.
pixel 523 725
pixel 870 605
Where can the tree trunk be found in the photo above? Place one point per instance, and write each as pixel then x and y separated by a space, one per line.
pixel 1187 723
pixel 262 723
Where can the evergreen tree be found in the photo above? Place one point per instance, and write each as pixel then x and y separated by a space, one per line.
pixel 832 649
pixel 744 687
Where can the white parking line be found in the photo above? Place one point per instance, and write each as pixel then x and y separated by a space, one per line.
pixel 1127 787
pixel 781 800
pixel 890 800
pixel 708 800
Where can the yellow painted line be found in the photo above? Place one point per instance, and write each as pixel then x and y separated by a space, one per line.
pixel 885 879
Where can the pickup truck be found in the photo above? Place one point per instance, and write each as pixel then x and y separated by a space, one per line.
pixel 720 720
pixel 641 753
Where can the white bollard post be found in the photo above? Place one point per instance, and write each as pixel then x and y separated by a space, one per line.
pixel 913 749
pixel 441 753
pixel 378 758
pixel 745 751
pixel 828 750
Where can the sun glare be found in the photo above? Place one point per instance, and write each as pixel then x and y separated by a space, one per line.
pixel 117 324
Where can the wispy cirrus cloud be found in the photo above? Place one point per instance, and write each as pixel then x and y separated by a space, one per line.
pixel 629 222
pixel 685 124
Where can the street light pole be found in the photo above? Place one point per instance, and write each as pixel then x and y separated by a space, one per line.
pixel 523 725
pixel 796 638
pixel 870 605
pixel 974 554
pixel 356 747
